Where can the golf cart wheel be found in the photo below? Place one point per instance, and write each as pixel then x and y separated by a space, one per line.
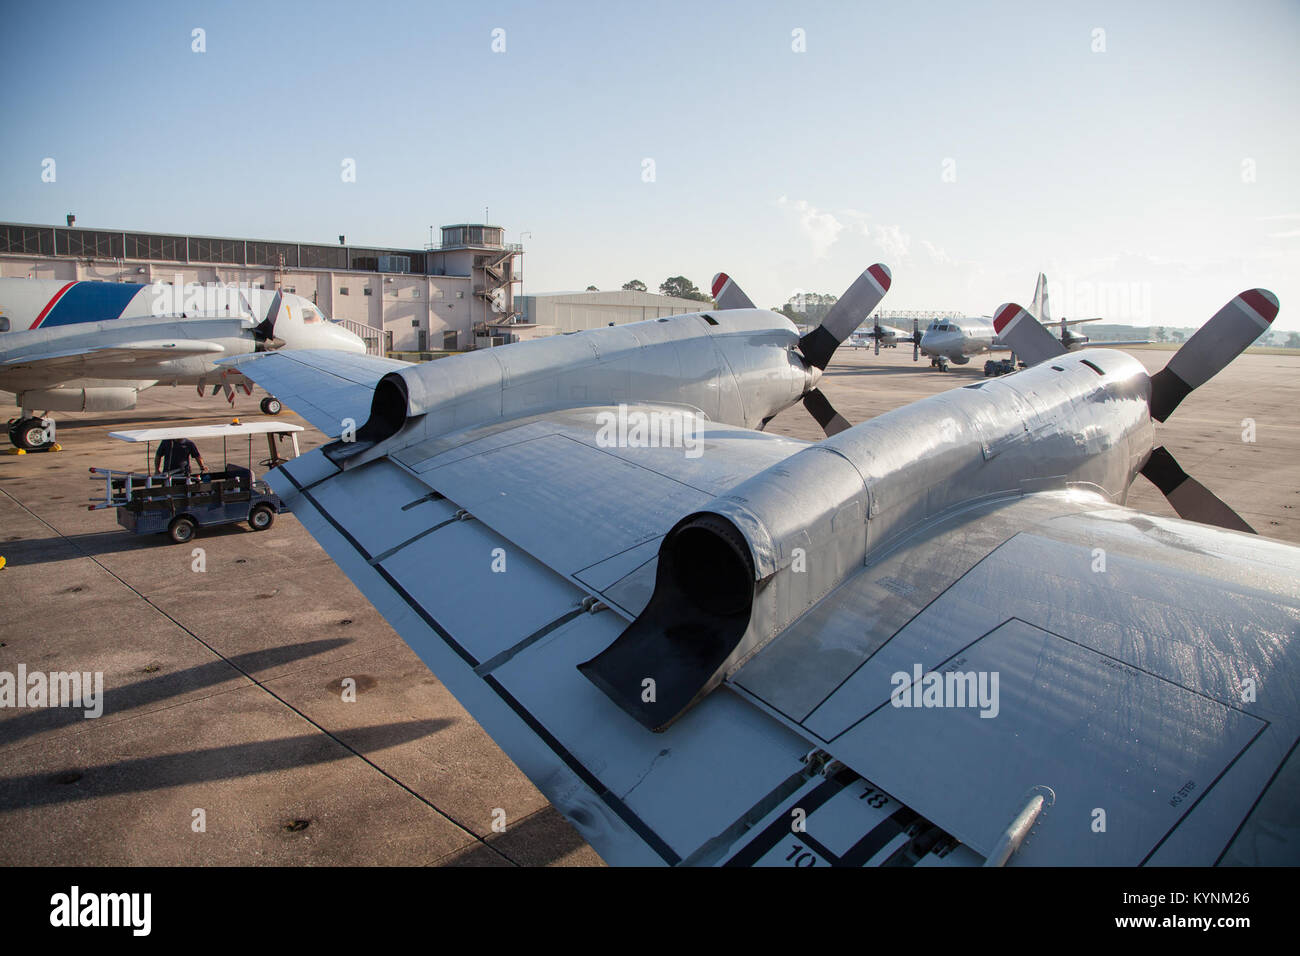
pixel 181 529
pixel 29 434
pixel 261 518
pixel 271 405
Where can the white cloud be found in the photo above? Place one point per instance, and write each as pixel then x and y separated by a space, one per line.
pixel 893 242
pixel 820 228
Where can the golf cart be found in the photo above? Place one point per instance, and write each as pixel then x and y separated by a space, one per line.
pixel 178 503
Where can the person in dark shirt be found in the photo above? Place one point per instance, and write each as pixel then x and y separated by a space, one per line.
pixel 174 455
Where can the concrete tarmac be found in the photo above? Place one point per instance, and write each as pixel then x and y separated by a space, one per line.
pixel 225 737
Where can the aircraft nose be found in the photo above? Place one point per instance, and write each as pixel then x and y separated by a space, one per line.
pixel 346 340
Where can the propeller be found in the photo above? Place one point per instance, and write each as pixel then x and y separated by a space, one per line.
pixel 1203 356
pixel 264 331
pixel 916 340
pixel 817 347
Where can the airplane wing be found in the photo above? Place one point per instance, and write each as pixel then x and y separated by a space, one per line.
pixel 1176 740
pixel 322 385
pixel 506 555
pixel 123 353
pixel 1142 676
pixel 1115 343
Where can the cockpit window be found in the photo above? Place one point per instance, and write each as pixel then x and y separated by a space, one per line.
pixel 310 315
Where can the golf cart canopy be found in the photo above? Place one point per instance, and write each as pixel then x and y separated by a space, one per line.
pixel 205 431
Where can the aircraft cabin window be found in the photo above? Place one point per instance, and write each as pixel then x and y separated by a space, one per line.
pixel 4 323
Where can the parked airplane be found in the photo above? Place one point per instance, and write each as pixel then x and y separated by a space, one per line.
pixel 955 339
pixel 877 335
pixel 919 641
pixel 93 346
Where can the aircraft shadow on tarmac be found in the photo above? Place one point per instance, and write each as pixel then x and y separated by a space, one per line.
pixel 540 838
pixel 29 551
pixel 152 690
pixel 80 782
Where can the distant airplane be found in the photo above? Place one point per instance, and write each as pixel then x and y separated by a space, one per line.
pixel 955 339
pixel 878 335
pixel 93 346
pixel 936 638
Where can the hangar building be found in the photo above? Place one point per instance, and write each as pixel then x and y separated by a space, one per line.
pixel 555 312
pixel 442 297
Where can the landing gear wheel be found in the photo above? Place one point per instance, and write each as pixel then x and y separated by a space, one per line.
pixel 182 529
pixel 271 405
pixel 261 517
pixel 30 434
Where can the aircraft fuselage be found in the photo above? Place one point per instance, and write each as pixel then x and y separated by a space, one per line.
pixel 956 340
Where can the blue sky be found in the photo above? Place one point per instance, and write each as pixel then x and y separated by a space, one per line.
pixel 1152 180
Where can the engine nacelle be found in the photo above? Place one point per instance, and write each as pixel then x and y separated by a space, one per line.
pixel 735 575
pixel 94 399
pixel 678 360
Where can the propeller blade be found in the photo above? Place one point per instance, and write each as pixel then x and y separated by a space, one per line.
pixel 847 314
pixel 1018 331
pixel 877 337
pixel 1215 344
pixel 265 330
pixel 819 406
pixel 1191 499
pixel 916 340
pixel 728 295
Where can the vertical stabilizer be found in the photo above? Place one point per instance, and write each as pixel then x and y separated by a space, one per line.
pixel 1040 309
